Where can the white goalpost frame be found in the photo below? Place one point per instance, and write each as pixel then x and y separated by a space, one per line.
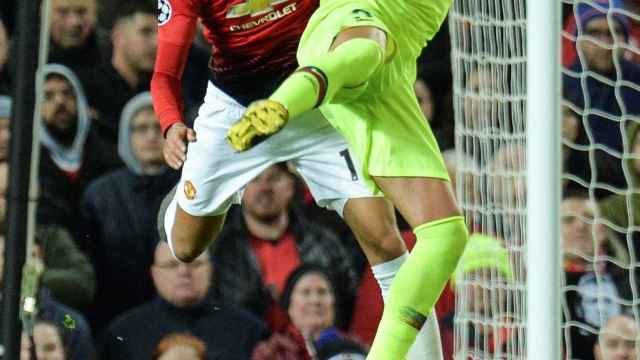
pixel 544 96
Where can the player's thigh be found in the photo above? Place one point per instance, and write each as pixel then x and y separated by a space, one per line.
pixel 373 223
pixel 364 32
pixel 214 173
pixel 335 182
pixel 324 160
pixel 332 26
pixel 187 235
pixel 420 199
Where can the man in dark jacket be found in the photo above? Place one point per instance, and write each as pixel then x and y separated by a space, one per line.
pixel 113 82
pixel 597 84
pixel 119 211
pixel 183 306
pixel 73 34
pixel 267 239
pixel 71 154
pixel 76 334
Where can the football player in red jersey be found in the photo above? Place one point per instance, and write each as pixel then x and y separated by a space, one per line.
pixel 254 46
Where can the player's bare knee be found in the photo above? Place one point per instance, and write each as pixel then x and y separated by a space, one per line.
pixel 388 245
pixel 363 32
pixel 186 247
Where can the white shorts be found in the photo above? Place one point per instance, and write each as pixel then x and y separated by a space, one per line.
pixel 214 175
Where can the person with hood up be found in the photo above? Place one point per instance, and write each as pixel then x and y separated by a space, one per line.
pixel 599 84
pixel 71 155
pixel 119 214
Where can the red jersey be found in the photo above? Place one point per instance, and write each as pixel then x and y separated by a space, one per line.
pixel 254 46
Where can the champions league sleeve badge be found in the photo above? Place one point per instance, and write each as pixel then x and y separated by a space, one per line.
pixel 164 12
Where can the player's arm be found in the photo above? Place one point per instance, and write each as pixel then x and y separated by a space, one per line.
pixel 175 34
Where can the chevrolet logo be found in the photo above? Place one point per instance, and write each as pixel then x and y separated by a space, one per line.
pixel 253 8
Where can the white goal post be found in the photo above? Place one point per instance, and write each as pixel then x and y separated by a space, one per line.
pixel 507 94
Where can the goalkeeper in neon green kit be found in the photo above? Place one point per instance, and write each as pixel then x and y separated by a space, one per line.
pixel 358 64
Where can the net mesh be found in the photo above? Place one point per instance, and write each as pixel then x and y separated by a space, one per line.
pixel 489 68
pixel 600 113
pixel 599 226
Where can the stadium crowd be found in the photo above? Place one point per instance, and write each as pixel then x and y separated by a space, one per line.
pixel 286 278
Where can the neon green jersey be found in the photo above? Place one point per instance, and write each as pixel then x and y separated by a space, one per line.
pixel 381 119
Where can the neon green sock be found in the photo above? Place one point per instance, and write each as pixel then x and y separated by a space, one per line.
pixel 349 64
pixel 418 285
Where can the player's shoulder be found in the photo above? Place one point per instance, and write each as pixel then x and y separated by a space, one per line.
pixel 168 6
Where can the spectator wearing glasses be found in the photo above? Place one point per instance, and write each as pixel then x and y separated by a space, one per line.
pixel 590 82
pixel 119 211
pixel 183 305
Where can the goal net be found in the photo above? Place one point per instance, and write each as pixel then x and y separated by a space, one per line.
pixel 600 211
pixel 489 68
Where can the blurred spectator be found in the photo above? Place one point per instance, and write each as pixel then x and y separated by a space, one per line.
pixel 633 7
pixel 71 156
pixel 4 184
pixel 436 110
pixel 483 274
pixel 76 335
pixel 310 301
pixel 425 98
pixel 180 347
pixel 569 52
pixel 341 349
pixel 46 343
pixel 481 109
pixel 434 64
pixel 183 305
pixel 507 167
pixel 506 191
pixel 575 159
pixel 614 208
pixel 67 329
pixel 111 84
pixel 470 186
pixel 73 36
pixel 266 241
pixel 4 58
pixel 591 83
pixel 593 293
pixel 5 132
pixel 618 339
pixel 67 273
pixel 119 214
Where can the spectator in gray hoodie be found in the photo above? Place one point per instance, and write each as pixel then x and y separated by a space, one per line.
pixel 71 154
pixel 119 211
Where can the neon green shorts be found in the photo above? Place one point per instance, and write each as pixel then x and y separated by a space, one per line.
pixel 381 119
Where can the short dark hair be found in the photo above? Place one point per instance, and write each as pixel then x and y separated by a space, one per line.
pixel 297 274
pixel 57 76
pixel 129 8
pixel 575 193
